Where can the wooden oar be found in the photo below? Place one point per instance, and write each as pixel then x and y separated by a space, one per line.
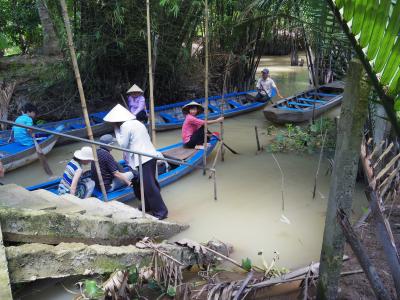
pixel 42 158
pixel 225 145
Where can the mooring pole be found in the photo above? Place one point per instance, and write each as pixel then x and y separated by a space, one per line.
pixel 348 144
pixel 81 93
pixel 205 85
pixel 151 87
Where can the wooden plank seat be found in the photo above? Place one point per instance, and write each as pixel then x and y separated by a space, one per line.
pixel 300 104
pixel 234 103
pixel 168 118
pixel 180 153
pixel 323 94
pixel 311 100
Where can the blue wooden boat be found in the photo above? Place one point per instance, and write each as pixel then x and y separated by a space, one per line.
pixel 306 105
pixel 170 116
pixel 191 156
pixel 77 127
pixel 14 155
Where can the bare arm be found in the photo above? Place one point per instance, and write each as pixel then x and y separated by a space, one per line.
pixel 75 181
pixel 220 119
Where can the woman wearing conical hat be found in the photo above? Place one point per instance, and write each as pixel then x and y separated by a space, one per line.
pixel 137 104
pixel 193 127
pixel 132 134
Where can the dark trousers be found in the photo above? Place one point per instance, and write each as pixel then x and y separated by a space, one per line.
pixel 142 116
pixel 262 98
pixel 152 196
pixel 196 139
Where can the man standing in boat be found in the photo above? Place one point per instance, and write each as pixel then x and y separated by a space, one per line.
pixel 132 134
pixel 266 87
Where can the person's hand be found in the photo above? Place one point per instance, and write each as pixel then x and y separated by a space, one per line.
pixel 220 119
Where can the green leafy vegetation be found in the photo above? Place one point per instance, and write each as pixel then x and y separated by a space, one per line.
pixel 306 139
pixel 246 264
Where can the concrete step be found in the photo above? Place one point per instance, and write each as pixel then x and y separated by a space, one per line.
pixel 12 195
pixel 92 206
pixel 62 206
pixel 123 211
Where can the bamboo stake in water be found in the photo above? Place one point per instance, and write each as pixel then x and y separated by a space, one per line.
pixel 319 164
pixel 82 94
pixel 152 117
pixel 205 86
pixel 222 107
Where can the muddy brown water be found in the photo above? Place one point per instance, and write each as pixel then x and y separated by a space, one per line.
pixel 248 211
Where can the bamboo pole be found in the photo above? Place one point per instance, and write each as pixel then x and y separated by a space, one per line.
pixel 81 93
pixel 152 119
pixel 205 85
pixel 222 107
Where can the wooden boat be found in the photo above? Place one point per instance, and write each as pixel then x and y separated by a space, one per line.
pixel 14 155
pixel 170 116
pixel 306 105
pixel 176 151
pixel 77 127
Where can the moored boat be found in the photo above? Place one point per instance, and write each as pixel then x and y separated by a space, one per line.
pixel 14 155
pixel 306 105
pixel 170 116
pixel 192 157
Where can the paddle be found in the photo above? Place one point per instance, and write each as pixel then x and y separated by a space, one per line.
pixel 42 158
pixel 225 145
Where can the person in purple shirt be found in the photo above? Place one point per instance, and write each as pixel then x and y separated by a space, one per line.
pixel 137 104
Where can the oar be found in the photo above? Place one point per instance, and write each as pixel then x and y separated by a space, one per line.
pixel 42 158
pixel 225 145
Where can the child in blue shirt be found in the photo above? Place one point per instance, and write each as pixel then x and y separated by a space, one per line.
pixel 23 136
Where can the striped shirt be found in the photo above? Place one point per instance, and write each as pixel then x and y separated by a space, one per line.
pixel 108 166
pixel 66 181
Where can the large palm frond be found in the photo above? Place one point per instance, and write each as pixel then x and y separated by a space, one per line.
pixel 373 28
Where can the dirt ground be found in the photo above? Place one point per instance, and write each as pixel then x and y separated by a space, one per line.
pixel 357 286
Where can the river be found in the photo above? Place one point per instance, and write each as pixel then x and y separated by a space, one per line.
pixel 248 211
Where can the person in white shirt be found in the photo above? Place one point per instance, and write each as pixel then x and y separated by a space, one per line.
pixel 266 87
pixel 132 134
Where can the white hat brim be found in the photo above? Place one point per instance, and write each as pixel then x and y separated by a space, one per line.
pixel 119 114
pixel 79 154
pixel 134 88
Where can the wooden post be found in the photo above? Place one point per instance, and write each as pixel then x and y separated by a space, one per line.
pixel 81 94
pixel 362 257
pixel 352 119
pixel 152 117
pixel 5 287
pixel 205 85
pixel 384 234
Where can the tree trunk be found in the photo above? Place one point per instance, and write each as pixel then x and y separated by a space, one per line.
pixel 6 92
pixel 50 40
pixel 352 119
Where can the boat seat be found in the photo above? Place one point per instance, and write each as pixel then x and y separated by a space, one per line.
pixel 289 108
pixel 311 100
pixel 323 94
pixel 300 104
pixel 234 103
pixel 77 126
pixel 180 153
pixel 213 108
pixel 168 118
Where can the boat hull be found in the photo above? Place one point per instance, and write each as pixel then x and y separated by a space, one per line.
pixel 279 113
pixel 126 194
pixel 27 156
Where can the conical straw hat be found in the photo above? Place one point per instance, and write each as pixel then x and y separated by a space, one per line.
pixel 119 114
pixel 185 109
pixel 134 88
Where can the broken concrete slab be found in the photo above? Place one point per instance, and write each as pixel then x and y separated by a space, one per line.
pixel 5 287
pixel 30 262
pixel 49 227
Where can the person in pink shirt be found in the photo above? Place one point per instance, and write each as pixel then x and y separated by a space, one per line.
pixel 193 127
